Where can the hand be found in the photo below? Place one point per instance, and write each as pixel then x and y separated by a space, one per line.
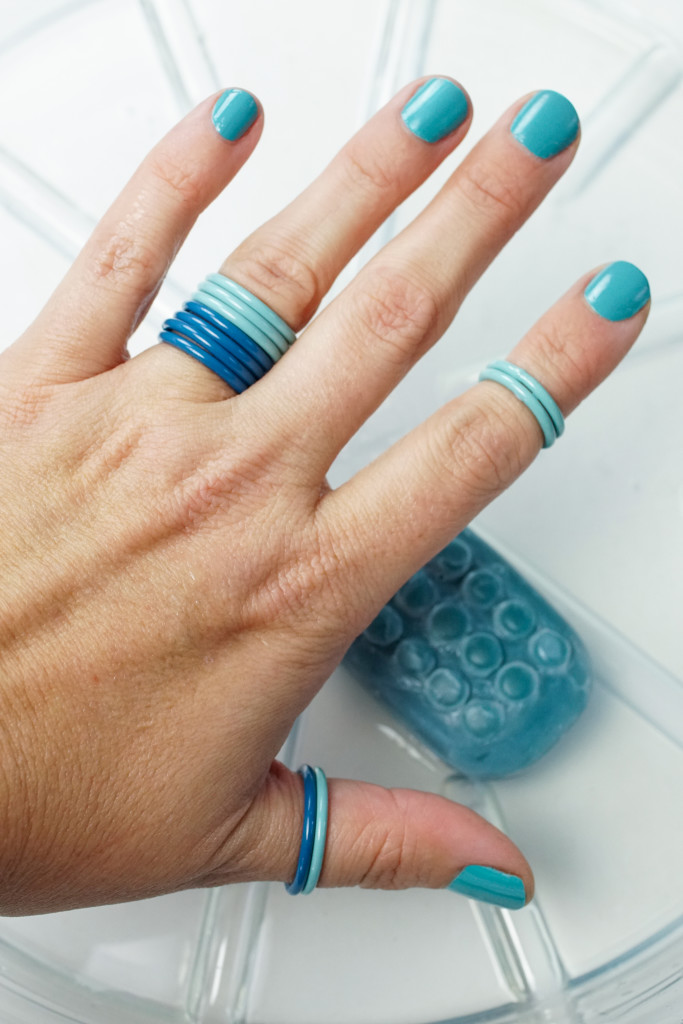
pixel 179 580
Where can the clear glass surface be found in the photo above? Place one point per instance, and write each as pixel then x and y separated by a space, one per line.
pixel 596 524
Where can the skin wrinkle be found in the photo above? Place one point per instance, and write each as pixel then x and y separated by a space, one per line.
pixel 481 453
pixel 110 450
pixel 23 407
pixel 486 187
pixel 93 579
pixel 384 866
pixel 206 579
pixel 125 256
pixel 397 313
pixel 283 273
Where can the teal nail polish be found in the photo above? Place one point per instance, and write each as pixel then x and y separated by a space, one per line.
pixel 490 886
pixel 436 109
pixel 618 291
pixel 234 113
pixel 547 124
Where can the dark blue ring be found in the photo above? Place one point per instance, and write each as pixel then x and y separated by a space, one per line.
pixel 214 336
pixel 202 355
pixel 217 348
pixel 307 831
pixel 232 331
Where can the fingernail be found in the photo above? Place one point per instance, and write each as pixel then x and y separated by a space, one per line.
pixel 547 124
pixel 436 109
pixel 234 113
pixel 490 886
pixel 618 291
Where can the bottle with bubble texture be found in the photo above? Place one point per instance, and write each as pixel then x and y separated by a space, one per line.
pixel 475 662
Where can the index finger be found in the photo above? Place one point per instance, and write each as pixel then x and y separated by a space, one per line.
pixel 448 469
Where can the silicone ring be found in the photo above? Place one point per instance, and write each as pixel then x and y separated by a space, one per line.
pixel 255 321
pixel 214 347
pixel 244 325
pixel 524 395
pixel 223 291
pixel 320 832
pixel 221 324
pixel 257 305
pixel 536 389
pixel 204 356
pixel 307 832
pixel 213 337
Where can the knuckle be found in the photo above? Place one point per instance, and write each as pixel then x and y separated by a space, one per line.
pixel 127 257
pixel 307 580
pixel 276 270
pixel 483 452
pixel 398 313
pixel 181 183
pixel 568 360
pixel 489 189
pixel 385 854
pixel 367 173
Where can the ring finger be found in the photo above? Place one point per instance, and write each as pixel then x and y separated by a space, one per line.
pixel 292 260
pixel 368 338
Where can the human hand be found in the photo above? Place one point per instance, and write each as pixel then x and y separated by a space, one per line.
pixel 179 580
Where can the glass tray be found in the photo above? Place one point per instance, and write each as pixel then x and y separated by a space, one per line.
pixel 596 525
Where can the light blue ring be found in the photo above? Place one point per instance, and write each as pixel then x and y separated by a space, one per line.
pixel 524 395
pixel 244 322
pixel 320 833
pixel 536 389
pixel 239 321
pixel 256 317
pixel 253 318
pixel 260 307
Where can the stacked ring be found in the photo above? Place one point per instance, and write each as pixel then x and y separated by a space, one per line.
pixel 230 331
pixel 313 832
pixel 529 391
pixel 243 340
pixel 255 304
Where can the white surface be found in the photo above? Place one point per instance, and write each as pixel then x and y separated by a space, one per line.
pixel 600 817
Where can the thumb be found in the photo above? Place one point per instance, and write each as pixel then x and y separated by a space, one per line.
pixel 381 838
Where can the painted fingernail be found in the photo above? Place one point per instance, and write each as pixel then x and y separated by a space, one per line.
pixel 490 886
pixel 437 108
pixel 547 124
pixel 618 291
pixel 234 113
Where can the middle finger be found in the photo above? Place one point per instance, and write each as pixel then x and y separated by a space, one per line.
pixel 367 339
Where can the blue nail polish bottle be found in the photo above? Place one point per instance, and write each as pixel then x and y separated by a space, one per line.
pixel 475 662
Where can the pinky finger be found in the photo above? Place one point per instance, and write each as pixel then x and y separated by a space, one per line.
pixel 85 326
